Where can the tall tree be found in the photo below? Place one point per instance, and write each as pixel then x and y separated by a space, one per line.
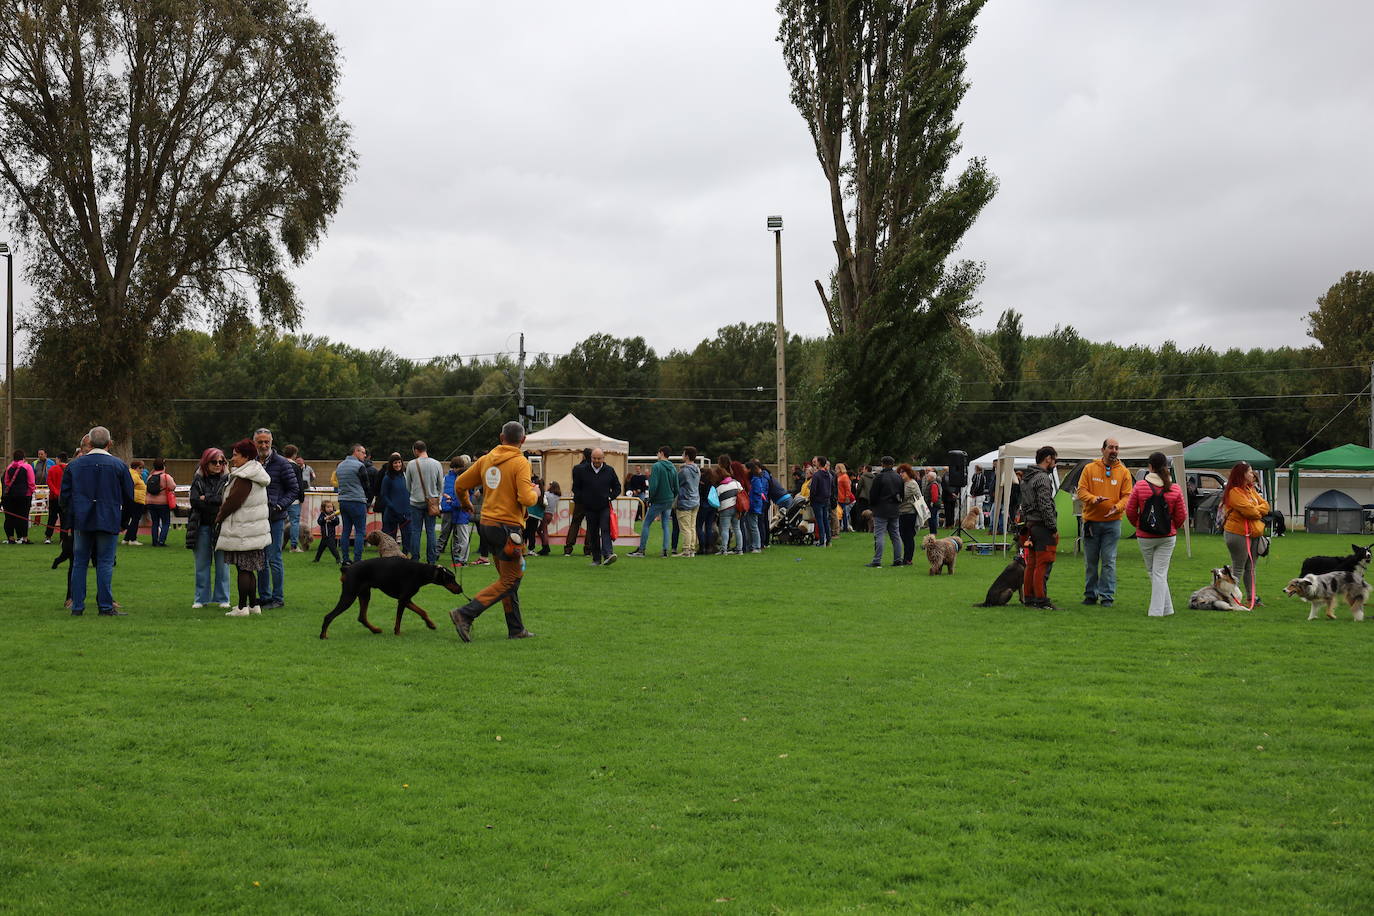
pixel 879 83
pixel 1010 342
pixel 161 158
pixel 1343 323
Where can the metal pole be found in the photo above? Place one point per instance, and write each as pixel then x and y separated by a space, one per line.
pixel 782 369
pixel 9 354
pixel 522 380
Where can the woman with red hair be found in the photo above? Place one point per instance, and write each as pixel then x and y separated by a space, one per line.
pixel 1245 511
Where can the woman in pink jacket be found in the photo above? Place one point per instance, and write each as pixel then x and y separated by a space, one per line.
pixel 1156 532
pixel 19 487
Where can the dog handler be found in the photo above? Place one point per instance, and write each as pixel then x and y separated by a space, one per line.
pixel 1038 510
pixel 507 488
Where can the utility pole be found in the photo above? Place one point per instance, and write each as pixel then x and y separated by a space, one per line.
pixel 9 349
pixel 522 378
pixel 775 224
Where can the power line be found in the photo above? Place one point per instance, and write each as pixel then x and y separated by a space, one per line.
pixel 1079 378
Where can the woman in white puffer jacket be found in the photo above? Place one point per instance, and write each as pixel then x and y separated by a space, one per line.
pixel 244 529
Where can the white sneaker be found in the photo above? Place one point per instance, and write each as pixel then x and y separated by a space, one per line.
pixel 256 609
pixel 225 604
pixel 197 606
pixel 47 540
pixel 238 612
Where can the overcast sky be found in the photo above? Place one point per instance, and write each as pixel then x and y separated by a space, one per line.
pixel 1189 170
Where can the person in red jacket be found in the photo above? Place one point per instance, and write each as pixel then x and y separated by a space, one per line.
pixel 55 519
pixel 1156 547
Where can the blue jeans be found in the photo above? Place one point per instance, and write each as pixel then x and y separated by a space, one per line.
pixel 1099 549
pixel 822 514
pixel 272 579
pixel 660 511
pixel 101 545
pixel 353 515
pixel 206 557
pixel 161 522
pixel 887 528
pixel 706 528
pixel 752 541
pixel 728 523
pixel 419 515
pixel 845 509
pixel 293 513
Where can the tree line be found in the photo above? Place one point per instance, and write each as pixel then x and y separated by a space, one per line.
pixel 719 395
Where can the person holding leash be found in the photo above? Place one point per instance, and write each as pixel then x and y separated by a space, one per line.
pixel 1039 512
pixel 1246 510
pixel 507 489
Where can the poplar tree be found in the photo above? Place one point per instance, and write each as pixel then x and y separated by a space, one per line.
pixel 879 83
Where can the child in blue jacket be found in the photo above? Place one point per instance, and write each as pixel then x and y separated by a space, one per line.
pixel 456 517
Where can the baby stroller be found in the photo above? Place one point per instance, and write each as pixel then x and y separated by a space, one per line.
pixel 790 526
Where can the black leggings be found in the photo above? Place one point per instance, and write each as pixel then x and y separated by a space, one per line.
pixel 330 544
pixel 248 587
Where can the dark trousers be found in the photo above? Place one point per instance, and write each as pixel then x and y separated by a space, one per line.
pixel 822 513
pixel 132 519
pixel 598 531
pixel 327 542
pixel 54 518
pixel 162 523
pixel 17 517
pixel 906 524
pixel 574 524
pixel 706 528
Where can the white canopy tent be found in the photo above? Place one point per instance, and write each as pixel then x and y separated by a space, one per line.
pixel 561 446
pixel 1082 439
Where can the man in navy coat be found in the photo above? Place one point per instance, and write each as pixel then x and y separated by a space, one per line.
pixel 96 489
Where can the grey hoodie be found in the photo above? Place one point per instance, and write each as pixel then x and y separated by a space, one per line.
pixel 1037 498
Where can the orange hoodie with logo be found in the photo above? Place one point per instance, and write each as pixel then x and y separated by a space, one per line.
pixel 1116 487
pixel 504 475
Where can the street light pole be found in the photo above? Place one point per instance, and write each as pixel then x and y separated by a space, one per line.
pixel 9 348
pixel 775 224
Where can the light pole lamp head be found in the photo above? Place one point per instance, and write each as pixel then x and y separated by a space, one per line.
pixel 775 224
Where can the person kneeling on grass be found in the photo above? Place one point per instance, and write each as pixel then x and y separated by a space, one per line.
pixel 507 489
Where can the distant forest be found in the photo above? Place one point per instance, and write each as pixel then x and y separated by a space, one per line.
pixel 718 396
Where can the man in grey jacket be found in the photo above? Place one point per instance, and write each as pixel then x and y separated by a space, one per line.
pixel 353 497
pixel 688 501
pixel 425 480
pixel 1040 514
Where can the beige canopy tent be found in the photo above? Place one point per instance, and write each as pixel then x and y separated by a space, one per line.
pixel 561 445
pixel 1081 439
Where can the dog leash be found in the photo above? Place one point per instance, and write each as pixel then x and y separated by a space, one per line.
pixel 1254 586
pixel 33 524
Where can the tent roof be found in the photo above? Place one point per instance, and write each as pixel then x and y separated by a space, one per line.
pixel 1342 458
pixel 1222 452
pixel 1334 499
pixel 986 460
pixel 1082 438
pixel 571 434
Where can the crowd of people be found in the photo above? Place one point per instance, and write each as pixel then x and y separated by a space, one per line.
pixel 244 508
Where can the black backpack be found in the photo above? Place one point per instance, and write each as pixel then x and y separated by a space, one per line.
pixel 155 483
pixel 1155 517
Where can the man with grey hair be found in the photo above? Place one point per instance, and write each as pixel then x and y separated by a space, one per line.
pixel 283 488
pixel 96 490
pixel 507 491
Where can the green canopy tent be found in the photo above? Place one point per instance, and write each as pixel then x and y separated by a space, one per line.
pixel 1347 457
pixel 1222 454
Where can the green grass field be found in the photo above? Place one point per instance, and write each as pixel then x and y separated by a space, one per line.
pixel 787 732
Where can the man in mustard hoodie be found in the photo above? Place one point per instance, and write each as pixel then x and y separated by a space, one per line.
pixel 507 488
pixel 1104 488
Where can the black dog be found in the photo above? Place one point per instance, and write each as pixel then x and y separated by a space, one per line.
pixel 1009 582
pixel 1321 565
pixel 396 576
pixel 65 556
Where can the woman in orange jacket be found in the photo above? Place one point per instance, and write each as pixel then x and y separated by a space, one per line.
pixel 1245 511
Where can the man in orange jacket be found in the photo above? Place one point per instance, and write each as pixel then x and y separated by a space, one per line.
pixel 507 489
pixel 1104 488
